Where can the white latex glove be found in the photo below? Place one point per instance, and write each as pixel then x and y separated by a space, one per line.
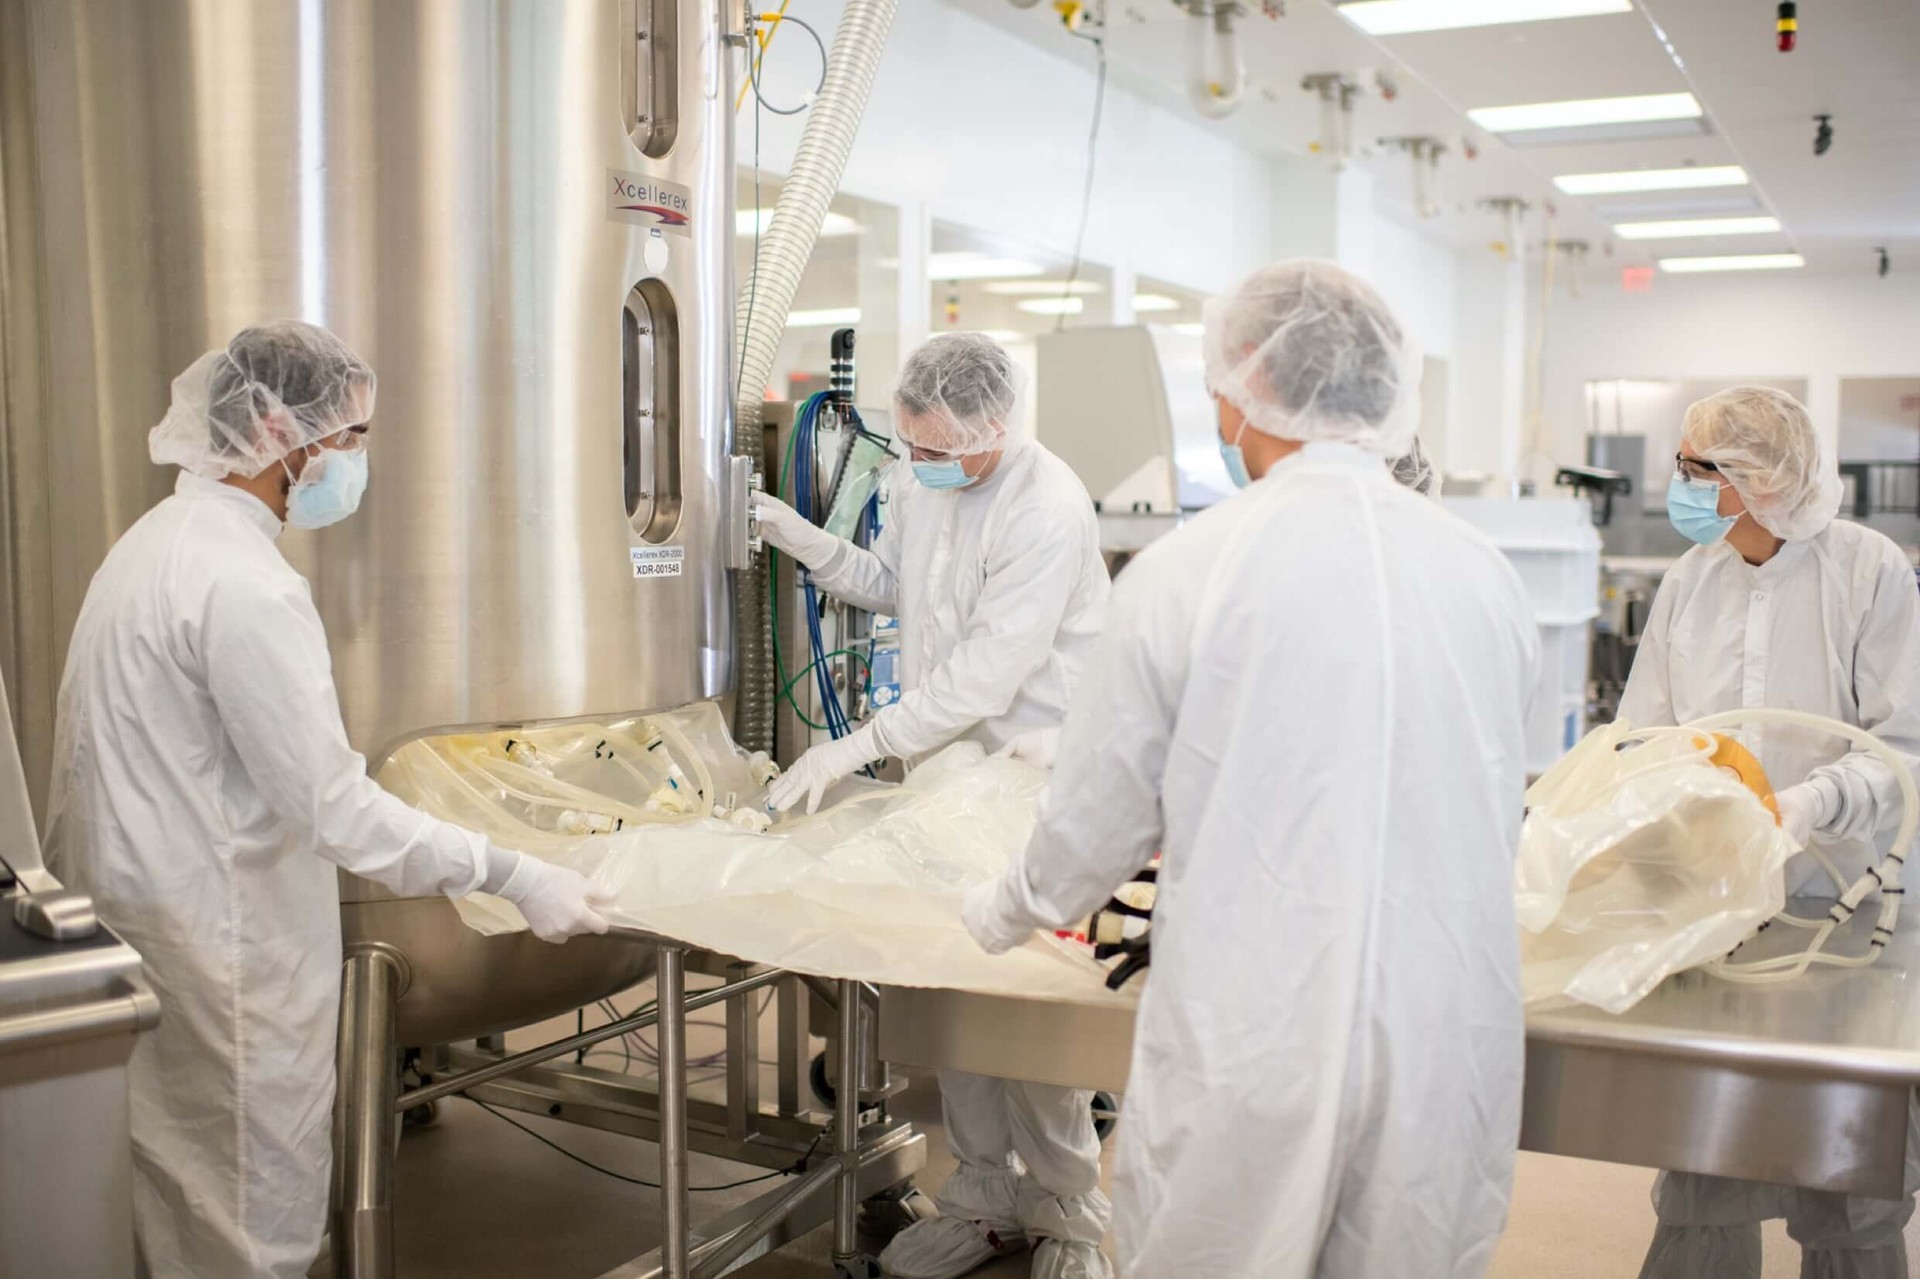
pixel 1799 812
pixel 784 527
pixel 980 911
pixel 558 903
pixel 821 767
pixel 1039 748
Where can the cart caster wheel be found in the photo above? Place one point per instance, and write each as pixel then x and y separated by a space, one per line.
pixel 858 1268
pixel 822 1082
pixel 1106 1115
pixel 422 1116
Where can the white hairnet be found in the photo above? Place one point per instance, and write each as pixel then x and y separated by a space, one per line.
pixel 276 387
pixel 1764 443
pixel 1306 350
pixel 957 395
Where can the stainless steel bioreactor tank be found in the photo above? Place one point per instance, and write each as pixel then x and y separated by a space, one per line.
pixel 520 211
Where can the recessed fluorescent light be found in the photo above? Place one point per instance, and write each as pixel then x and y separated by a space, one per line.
pixel 1716 175
pixel 827 318
pixel 1396 17
pixel 1052 306
pixel 1192 330
pixel 1143 302
pixel 836 224
pixel 1741 262
pixel 1040 288
pixel 1587 111
pixel 977 266
pixel 1688 228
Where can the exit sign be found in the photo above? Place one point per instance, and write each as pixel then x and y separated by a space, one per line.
pixel 1636 279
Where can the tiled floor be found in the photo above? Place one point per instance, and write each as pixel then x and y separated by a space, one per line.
pixel 478 1199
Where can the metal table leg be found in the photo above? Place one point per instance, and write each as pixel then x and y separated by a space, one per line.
pixel 847 1260
pixel 365 1123
pixel 676 1215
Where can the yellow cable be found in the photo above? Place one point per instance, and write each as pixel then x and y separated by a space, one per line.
pixel 763 38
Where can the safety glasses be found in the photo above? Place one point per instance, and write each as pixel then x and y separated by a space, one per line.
pixel 1695 468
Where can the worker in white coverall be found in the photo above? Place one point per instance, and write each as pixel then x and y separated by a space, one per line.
pixel 1782 605
pixel 1311 698
pixel 990 558
pixel 204 793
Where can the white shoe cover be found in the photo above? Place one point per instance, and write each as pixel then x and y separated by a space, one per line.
pixel 1058 1259
pixel 946 1248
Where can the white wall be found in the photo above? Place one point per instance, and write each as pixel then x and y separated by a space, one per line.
pixel 1413 273
pixel 1770 325
pixel 1488 370
pixel 989 132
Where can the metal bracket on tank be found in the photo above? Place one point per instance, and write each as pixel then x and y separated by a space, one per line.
pixel 743 535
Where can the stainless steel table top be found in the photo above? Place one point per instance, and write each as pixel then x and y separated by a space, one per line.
pixel 1801 1083
pixel 1854 1023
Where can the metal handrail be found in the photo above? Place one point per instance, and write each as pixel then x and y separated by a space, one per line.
pixel 130 1013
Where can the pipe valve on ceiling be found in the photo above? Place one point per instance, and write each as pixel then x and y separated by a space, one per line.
pixel 1425 153
pixel 1216 76
pixel 1337 92
pixel 1511 209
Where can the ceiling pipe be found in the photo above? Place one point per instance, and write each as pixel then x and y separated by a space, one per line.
pixel 1216 77
pixel 1575 252
pixel 1425 153
pixel 1336 92
pixel 1511 209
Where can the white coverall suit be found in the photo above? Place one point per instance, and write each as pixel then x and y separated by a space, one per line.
pixel 1001 592
pixel 1830 625
pixel 1317 691
pixel 204 793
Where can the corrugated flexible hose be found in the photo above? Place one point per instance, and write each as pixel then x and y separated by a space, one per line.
pixel 760 317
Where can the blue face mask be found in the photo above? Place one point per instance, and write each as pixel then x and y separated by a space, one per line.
pixel 1236 461
pixel 1694 508
pixel 329 488
pixel 942 475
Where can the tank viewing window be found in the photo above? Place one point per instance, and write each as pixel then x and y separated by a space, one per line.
pixel 650 409
pixel 650 74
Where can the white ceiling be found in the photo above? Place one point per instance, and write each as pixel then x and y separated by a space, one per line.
pixel 1859 59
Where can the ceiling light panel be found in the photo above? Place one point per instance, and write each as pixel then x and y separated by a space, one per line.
pixel 1399 17
pixel 1040 288
pixel 1737 262
pixel 826 318
pixel 1688 228
pixel 978 266
pixel 1648 108
pixel 1052 306
pixel 1688 179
